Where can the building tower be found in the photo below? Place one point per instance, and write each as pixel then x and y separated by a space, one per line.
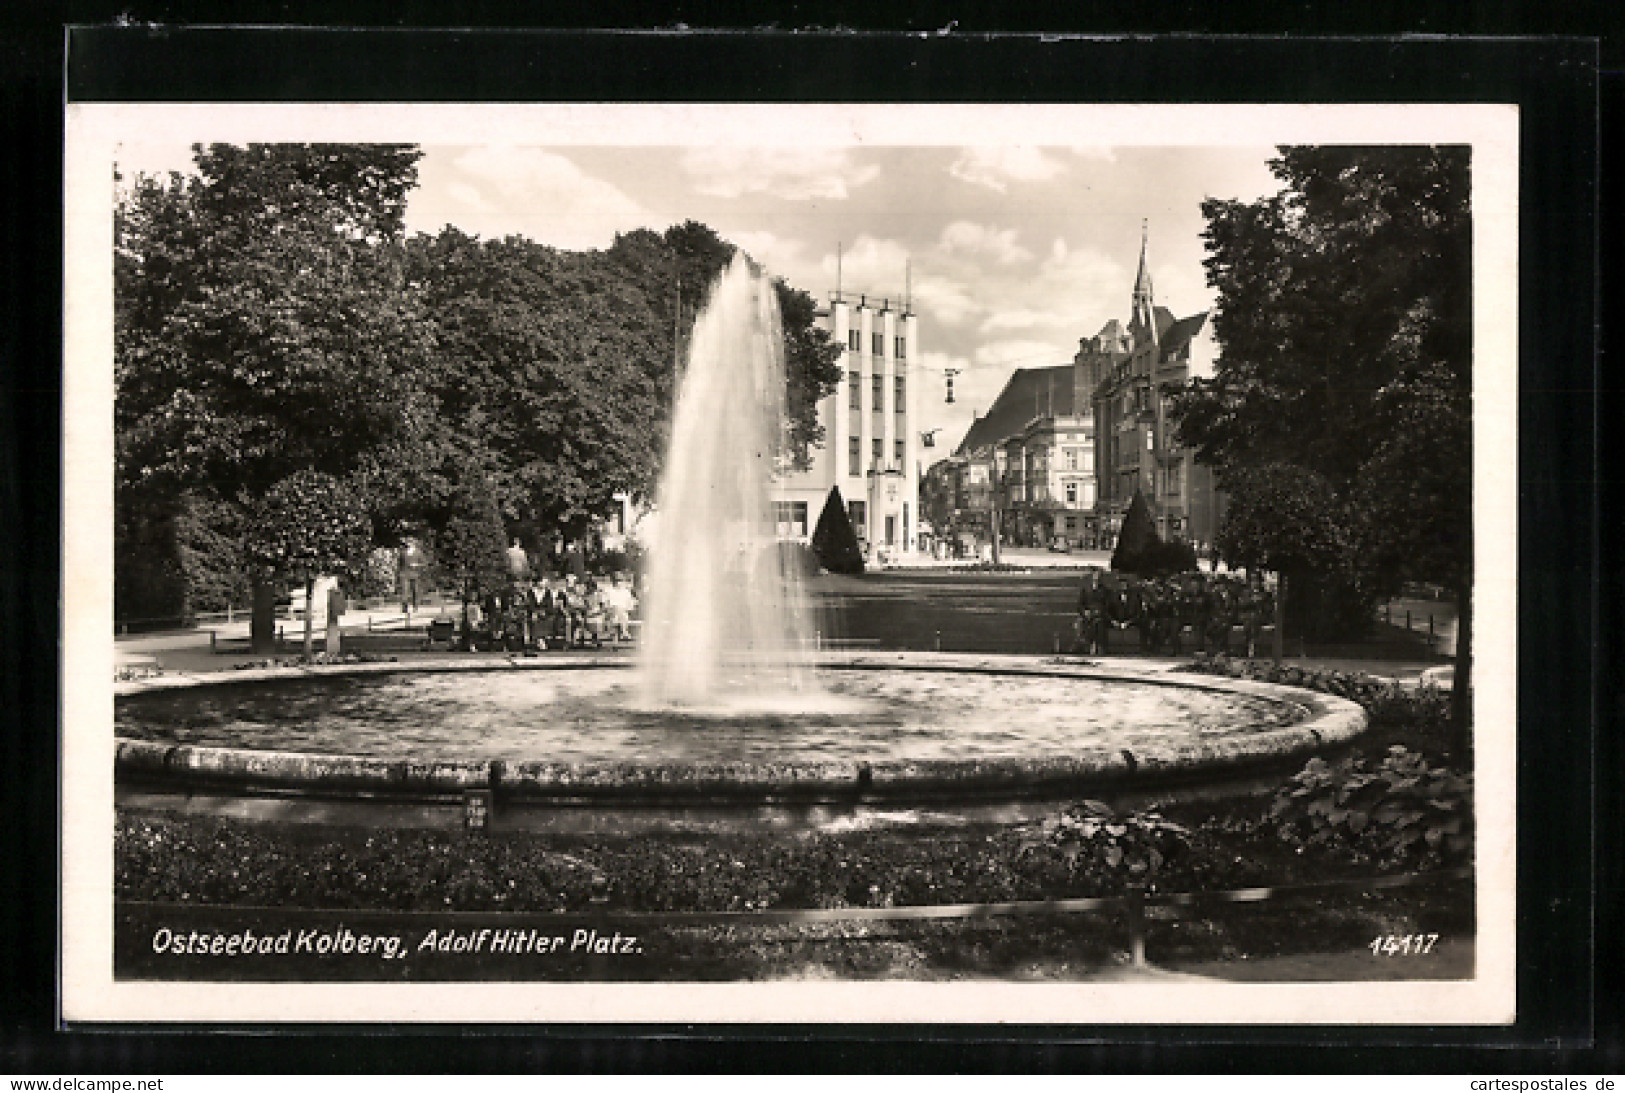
pixel 1142 322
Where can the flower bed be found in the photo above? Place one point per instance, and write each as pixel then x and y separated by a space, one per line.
pixel 1423 710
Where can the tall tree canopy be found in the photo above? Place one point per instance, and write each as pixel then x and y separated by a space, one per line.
pixel 263 328
pixel 1342 395
pixel 561 365
pixel 272 321
pixel 1353 279
pixel 263 323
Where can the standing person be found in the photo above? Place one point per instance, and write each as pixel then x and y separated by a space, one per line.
pixel 618 602
pixel 555 614
pixel 594 613
pixel 1091 615
pixel 573 596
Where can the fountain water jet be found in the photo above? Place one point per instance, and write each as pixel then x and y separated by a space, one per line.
pixel 725 616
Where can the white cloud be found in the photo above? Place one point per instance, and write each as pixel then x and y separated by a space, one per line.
pixel 964 237
pixel 1181 289
pixel 1020 318
pixel 779 254
pixel 468 195
pixel 878 267
pixel 950 301
pixel 795 174
pixel 1074 283
pixel 999 165
pixel 504 191
pixel 1006 356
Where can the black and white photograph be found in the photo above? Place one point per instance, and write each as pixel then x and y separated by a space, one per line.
pixel 781 562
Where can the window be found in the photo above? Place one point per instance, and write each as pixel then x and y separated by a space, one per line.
pixel 1150 439
pixel 854 387
pixel 1071 494
pixel 854 339
pixel 879 344
pixel 791 517
pixel 897 447
pixel 899 402
pixel 1069 458
pixel 900 347
pixel 854 456
pixel 878 405
pixel 858 517
pixel 879 447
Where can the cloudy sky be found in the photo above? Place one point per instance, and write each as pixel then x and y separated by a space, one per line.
pixel 1012 251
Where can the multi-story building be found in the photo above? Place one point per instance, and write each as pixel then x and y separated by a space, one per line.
pixel 1129 373
pixel 870 449
pixel 1036 446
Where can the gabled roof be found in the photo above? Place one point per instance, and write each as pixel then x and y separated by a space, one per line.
pixel 1178 334
pixel 1028 393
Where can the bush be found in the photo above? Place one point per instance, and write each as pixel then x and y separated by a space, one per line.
pixel 1174 556
pixel 1386 702
pixel 1403 812
pixel 1090 839
pixel 833 541
pixel 1138 545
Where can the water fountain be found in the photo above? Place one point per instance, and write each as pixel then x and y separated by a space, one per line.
pixel 727 706
pixel 725 617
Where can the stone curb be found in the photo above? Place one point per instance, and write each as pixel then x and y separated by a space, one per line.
pixel 1323 721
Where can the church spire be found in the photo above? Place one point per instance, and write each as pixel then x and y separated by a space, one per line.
pixel 1143 316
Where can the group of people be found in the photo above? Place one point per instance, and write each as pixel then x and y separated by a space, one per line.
pixel 1211 606
pixel 566 612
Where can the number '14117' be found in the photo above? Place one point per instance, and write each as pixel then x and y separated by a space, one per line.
pixel 1402 944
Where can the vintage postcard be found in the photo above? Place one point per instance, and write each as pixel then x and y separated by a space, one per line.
pixel 1040 564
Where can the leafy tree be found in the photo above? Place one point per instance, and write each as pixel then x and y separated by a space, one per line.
pixel 263 324
pixel 684 262
pixel 554 366
pixel 308 525
pixel 1344 320
pixel 812 371
pixel 1284 518
pixel 470 546
pixel 833 541
pixel 557 369
pixel 1355 276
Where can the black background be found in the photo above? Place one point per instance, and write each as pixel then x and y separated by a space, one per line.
pixel 1570 589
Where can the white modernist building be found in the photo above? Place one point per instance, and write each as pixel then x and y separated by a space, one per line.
pixel 871 448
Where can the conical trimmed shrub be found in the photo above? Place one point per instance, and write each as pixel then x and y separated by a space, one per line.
pixel 1138 545
pixel 833 540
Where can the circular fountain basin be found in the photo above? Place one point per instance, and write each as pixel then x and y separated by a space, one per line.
pixel 572 731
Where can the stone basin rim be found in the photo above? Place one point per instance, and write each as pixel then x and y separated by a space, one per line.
pixel 1325 721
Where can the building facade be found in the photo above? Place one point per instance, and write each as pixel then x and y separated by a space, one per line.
pixel 1035 450
pixel 871 448
pixel 1129 372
